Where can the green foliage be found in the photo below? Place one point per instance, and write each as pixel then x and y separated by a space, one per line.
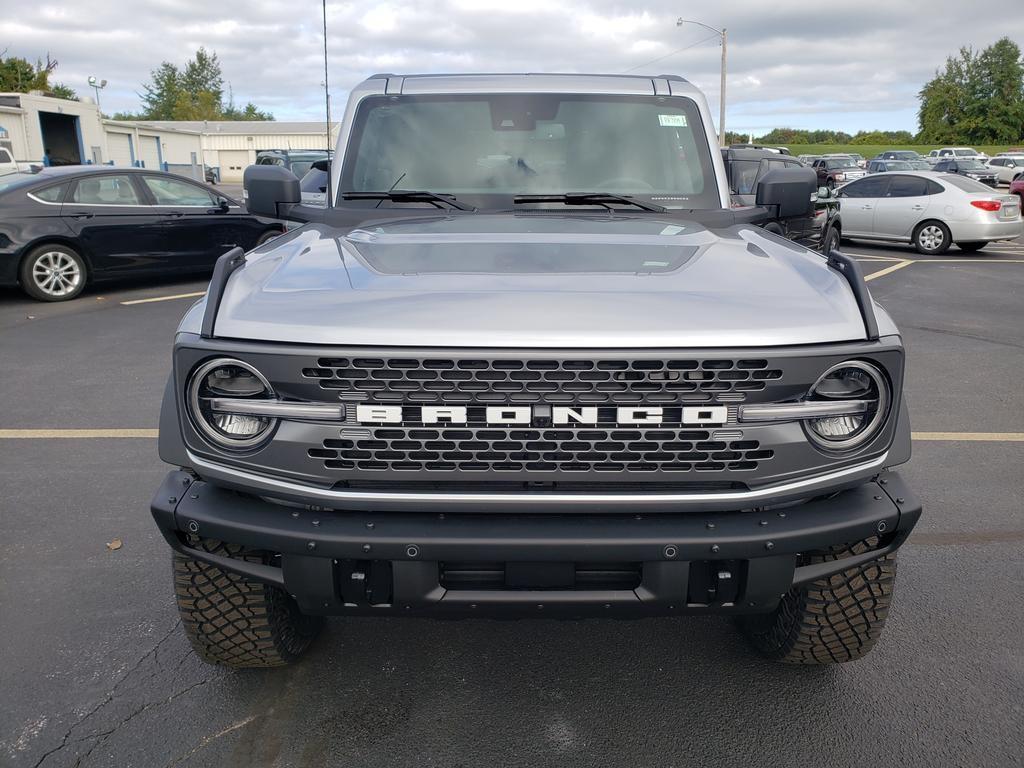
pixel 194 92
pixel 976 98
pixel 19 75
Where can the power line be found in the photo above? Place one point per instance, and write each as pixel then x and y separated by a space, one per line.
pixel 671 53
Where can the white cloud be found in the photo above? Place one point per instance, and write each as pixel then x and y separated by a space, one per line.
pixel 790 63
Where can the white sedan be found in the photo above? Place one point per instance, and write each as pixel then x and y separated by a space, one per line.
pixel 929 210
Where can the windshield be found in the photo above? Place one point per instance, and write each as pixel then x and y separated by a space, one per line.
pixel 964 152
pixel 898 165
pixel 971 165
pixel 487 148
pixel 841 163
pixel 919 165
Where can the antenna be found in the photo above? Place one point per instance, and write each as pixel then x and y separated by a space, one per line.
pixel 327 99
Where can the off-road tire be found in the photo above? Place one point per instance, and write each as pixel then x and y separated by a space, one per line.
pixel 236 622
pixel 831 241
pixel 829 621
pixel 267 236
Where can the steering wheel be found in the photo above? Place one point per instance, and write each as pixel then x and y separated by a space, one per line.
pixel 622 181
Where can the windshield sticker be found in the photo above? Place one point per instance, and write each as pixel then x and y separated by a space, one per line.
pixel 672 121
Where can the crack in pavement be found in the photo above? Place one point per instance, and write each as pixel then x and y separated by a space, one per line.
pixel 66 739
pixel 212 737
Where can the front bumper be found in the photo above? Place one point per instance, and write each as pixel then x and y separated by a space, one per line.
pixel 380 562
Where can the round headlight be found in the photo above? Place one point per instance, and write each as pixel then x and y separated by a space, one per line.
pixel 850 380
pixel 218 382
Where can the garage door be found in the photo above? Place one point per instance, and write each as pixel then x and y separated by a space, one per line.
pixel 119 147
pixel 149 152
pixel 233 163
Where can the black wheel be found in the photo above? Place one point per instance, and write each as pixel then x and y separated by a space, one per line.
pixel 270 234
pixel 775 228
pixel 236 622
pixel 831 241
pixel 932 238
pixel 971 247
pixel 52 273
pixel 831 620
pixel 830 184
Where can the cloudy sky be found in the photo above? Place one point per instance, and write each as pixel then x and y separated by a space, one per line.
pixel 796 63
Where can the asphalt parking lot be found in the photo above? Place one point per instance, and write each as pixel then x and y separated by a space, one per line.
pixel 95 670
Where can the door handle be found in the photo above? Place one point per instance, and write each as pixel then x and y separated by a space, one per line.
pixel 82 215
pixel 917 207
pixel 866 207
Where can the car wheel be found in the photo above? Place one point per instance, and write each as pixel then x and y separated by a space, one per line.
pixel 234 621
pixel 830 184
pixel 831 241
pixel 932 237
pixel 266 236
pixel 971 247
pixel 831 620
pixel 53 273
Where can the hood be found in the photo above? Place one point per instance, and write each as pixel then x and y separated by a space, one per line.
pixel 536 281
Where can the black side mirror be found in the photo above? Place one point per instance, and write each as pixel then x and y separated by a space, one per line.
pixel 790 191
pixel 270 190
pixel 223 206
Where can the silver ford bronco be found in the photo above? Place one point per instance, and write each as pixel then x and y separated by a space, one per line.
pixel 528 361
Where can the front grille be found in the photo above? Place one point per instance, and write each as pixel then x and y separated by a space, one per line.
pixel 450 381
pixel 648 450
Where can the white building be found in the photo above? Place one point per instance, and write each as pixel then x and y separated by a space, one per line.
pixel 229 146
pixel 33 126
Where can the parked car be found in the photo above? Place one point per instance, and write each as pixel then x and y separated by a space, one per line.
pixel 776 150
pixel 920 164
pixel 858 159
pixel 1006 167
pixel 65 227
pixel 313 186
pixel 898 154
pixel 209 174
pixel 974 169
pixel 833 171
pixel 882 166
pixel 1017 188
pixel 954 153
pixel 7 164
pixel 929 210
pixel 297 161
pixel 808 159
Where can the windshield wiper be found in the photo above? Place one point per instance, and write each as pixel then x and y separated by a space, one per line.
pixel 436 199
pixel 590 198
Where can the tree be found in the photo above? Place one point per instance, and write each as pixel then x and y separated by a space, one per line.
pixel 976 98
pixel 18 75
pixel 194 92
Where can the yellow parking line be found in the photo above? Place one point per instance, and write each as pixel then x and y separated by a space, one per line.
pixel 47 434
pixel 165 298
pixel 973 437
pixel 888 270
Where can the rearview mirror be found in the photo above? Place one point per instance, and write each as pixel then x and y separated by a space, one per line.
pixel 270 190
pixel 789 191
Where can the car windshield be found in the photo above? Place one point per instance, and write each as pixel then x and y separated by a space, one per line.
pixel 898 165
pixel 971 165
pixel 919 165
pixel 844 162
pixel 487 148
pixel 964 152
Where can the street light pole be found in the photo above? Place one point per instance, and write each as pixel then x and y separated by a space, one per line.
pixel 96 86
pixel 725 39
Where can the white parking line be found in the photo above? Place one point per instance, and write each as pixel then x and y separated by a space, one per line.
pixel 888 270
pixel 164 298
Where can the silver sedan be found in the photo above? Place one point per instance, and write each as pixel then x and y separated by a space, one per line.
pixel 929 210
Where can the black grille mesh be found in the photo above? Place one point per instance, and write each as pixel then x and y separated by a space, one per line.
pixel 499 381
pixel 489 449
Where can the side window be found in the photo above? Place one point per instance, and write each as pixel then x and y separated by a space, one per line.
pixel 907 186
pixel 105 190
pixel 873 186
pixel 934 188
pixel 51 194
pixel 174 192
pixel 5 156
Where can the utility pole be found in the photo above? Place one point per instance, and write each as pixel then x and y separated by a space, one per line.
pixel 725 40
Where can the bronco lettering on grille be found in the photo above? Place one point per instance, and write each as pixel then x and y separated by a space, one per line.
pixel 540 415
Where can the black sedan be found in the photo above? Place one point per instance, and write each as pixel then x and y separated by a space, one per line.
pixel 969 167
pixel 64 227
